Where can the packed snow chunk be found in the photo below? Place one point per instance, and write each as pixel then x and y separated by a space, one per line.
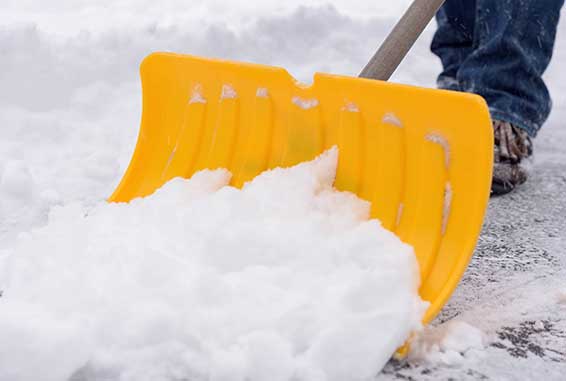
pixel 539 326
pixel 448 344
pixel 262 92
pixel 286 279
pixel 228 92
pixel 305 104
pixel 443 142
pixel 196 95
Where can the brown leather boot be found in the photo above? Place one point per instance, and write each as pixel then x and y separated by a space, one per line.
pixel 512 147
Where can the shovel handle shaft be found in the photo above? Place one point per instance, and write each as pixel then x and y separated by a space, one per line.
pixel 401 39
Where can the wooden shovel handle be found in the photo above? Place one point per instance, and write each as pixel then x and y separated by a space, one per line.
pixel 401 39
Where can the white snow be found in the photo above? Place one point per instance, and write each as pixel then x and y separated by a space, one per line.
pixel 196 95
pixel 441 141
pixel 351 107
pixel 539 325
pixel 228 92
pixel 305 104
pixel 448 344
pixel 447 205
pixel 262 92
pixel 391 118
pixel 21 200
pixel 207 281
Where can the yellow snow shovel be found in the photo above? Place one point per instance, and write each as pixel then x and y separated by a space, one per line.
pixel 422 157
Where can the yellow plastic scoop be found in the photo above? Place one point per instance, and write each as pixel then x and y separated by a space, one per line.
pixel 422 157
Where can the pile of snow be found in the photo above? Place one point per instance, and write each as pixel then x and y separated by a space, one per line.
pixel 448 344
pixel 21 201
pixel 286 279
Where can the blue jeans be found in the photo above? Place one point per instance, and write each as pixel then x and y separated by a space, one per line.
pixel 499 49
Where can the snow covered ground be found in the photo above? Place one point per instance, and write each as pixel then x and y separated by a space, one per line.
pixel 69 116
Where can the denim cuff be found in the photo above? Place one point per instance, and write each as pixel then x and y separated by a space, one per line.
pixel 448 83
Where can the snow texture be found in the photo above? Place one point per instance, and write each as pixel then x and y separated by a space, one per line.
pixel 351 107
pixel 442 142
pixel 391 118
pixel 447 344
pixel 228 92
pixel 262 92
pixel 196 95
pixel 212 283
pixel 305 104
pixel 447 205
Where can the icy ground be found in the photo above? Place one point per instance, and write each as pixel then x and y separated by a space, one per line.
pixel 69 116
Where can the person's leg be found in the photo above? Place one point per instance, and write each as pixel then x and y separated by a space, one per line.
pixel 514 42
pixel 454 39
